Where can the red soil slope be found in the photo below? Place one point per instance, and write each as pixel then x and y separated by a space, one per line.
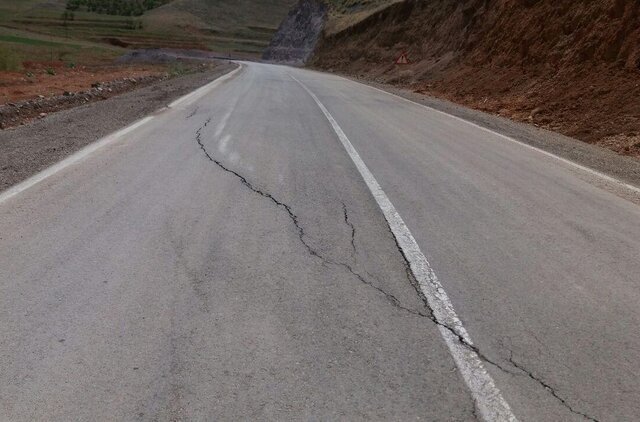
pixel 570 66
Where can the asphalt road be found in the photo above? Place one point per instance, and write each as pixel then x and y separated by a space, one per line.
pixel 227 261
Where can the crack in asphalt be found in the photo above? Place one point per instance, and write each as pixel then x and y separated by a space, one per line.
pixel 474 348
pixel 246 183
pixel 300 230
pixel 393 300
pixel 431 315
pixel 193 113
pixel 353 230
pixel 550 389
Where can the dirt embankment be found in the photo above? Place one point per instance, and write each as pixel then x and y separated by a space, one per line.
pixel 298 34
pixel 46 87
pixel 61 95
pixel 572 67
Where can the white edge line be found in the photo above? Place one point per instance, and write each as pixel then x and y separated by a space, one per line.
pixel 202 91
pixel 95 146
pixel 508 138
pixel 71 160
pixel 488 399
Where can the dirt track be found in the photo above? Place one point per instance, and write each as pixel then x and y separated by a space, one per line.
pixel 28 149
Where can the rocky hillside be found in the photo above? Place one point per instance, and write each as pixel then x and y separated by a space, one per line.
pixel 573 67
pixel 297 36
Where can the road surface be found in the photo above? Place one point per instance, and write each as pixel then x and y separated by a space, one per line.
pixel 232 258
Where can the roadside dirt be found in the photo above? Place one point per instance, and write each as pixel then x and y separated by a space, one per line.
pixel 570 67
pixel 599 106
pixel 55 78
pixel 621 167
pixel 28 149
pixel 47 87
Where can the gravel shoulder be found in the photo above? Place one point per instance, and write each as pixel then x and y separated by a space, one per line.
pixel 28 149
pixel 621 167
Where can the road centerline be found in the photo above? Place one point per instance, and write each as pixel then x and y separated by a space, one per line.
pixel 489 401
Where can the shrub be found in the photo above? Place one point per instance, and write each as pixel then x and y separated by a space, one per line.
pixel 115 7
pixel 178 68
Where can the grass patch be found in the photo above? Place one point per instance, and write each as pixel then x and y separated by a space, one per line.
pixel 30 41
pixel 178 69
pixel 9 59
pixel 13 55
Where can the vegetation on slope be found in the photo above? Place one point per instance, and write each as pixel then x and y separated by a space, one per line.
pixel 115 7
pixel 235 25
pixel 226 26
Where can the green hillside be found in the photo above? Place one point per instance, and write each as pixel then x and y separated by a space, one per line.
pixel 227 26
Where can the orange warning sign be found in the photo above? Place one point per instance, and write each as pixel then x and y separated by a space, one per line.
pixel 403 59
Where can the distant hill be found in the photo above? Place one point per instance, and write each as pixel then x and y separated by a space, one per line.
pixel 227 26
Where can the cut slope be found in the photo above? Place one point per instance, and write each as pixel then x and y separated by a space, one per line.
pixel 346 13
pixel 569 66
pixel 298 35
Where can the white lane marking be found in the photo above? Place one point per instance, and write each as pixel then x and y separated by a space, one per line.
pixel 508 138
pixel 223 123
pixel 224 143
pixel 489 401
pixel 71 160
pixel 194 96
pixel 95 146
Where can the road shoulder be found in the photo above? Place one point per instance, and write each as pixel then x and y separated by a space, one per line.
pixel 623 168
pixel 29 149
